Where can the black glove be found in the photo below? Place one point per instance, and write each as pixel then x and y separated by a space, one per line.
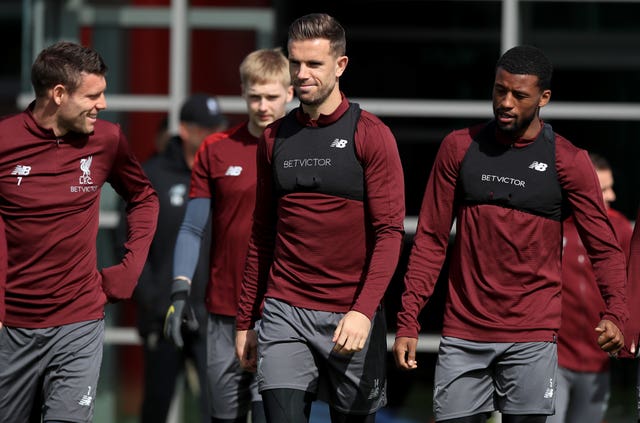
pixel 179 311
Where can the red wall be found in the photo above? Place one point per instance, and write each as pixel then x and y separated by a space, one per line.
pixel 215 56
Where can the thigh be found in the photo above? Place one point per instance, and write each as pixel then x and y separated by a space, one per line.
pixel 463 383
pixel 287 405
pixel 162 364
pixel 563 400
pixel 285 359
pixel 71 379
pixel 231 389
pixel 525 377
pixel 356 384
pixel 20 374
pixel 589 398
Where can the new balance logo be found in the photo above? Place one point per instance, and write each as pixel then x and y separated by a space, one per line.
pixel 86 398
pixel 540 167
pixel 549 391
pixel 21 170
pixel 339 143
pixel 234 171
pixel 375 391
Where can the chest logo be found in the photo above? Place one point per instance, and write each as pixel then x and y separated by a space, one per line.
pixel 540 167
pixel 85 167
pixel 177 195
pixel 234 171
pixel 21 171
pixel 339 143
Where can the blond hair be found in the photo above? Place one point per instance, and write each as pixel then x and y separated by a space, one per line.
pixel 265 65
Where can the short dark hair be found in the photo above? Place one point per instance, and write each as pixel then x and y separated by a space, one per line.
pixel 599 162
pixel 319 25
pixel 527 60
pixel 63 63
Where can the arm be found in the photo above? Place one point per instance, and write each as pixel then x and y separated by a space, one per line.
pixel 429 247
pixel 185 260
pixel 385 208
pixel 261 244
pixel 142 206
pixel 189 240
pixel 259 257
pixel 579 180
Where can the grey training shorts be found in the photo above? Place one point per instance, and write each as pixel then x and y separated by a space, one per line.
pixel 231 389
pixel 295 352
pixel 56 369
pixel 581 397
pixel 481 377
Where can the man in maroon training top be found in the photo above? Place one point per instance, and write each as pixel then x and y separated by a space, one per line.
pixel 582 392
pixel 326 238
pixel 54 159
pixel 223 185
pixel 507 184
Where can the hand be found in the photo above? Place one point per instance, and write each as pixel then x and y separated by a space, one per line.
pixel 610 338
pixel 404 352
pixel 179 311
pixel 352 333
pixel 247 349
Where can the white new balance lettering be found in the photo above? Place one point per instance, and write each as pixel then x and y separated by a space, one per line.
pixel 549 391
pixel 539 166
pixel 375 391
pixel 339 143
pixel 234 171
pixel 21 170
pixel 86 398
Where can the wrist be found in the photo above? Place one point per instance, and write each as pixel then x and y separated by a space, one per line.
pixel 180 285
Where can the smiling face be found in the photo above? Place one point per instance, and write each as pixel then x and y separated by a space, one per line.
pixel 315 71
pixel 516 102
pixel 78 110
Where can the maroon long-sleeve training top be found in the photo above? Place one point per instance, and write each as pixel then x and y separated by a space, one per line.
pixel 505 269
pixel 325 252
pixel 49 199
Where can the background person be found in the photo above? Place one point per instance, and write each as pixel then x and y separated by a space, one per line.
pixel 583 383
pixel 326 239
pixel 507 184
pixel 632 330
pixel 54 159
pixel 224 182
pixel 3 269
pixel 170 173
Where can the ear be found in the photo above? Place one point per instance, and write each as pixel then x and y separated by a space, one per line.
pixel 289 93
pixel 341 65
pixel 544 98
pixel 57 93
pixel 183 131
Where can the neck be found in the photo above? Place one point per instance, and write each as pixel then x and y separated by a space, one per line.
pixel 189 154
pixel 44 113
pixel 254 129
pixel 328 106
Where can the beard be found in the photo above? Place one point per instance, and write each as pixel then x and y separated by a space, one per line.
pixel 519 125
pixel 317 98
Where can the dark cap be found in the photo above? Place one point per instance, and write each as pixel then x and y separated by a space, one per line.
pixel 203 110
